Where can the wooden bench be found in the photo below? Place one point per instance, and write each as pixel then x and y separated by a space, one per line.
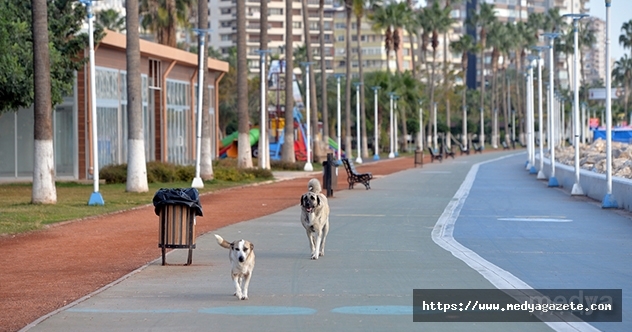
pixel 477 148
pixel 434 155
pixel 448 152
pixel 354 177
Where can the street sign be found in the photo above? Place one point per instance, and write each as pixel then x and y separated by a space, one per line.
pixel 600 93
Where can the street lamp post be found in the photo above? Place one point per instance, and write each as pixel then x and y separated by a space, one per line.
pixel 376 149
pixel 391 155
pixel 396 134
pixel 608 200
pixel 530 118
pixel 577 188
pixel 338 76
pixel 550 110
pixel 197 180
pixel 308 165
pixel 540 175
pixel 263 138
pixel 434 127
pixel 358 86
pixel 420 139
pixel 95 197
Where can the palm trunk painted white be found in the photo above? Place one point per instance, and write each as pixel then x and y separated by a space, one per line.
pixel 44 191
pixel 137 178
pixel 206 158
pixel 244 151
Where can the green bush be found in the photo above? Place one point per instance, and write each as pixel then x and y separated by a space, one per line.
pixel 161 172
pixel 231 174
pixel 185 173
pixel 165 173
pixel 287 166
pixel 114 173
pixel 259 173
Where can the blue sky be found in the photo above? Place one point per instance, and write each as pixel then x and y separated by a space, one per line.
pixel 619 13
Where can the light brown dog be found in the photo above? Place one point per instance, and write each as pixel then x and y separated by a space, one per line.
pixel 242 261
pixel 315 217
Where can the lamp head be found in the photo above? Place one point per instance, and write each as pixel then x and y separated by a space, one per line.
pixel 608 3
pixel 541 48
pixel 575 17
pixel 551 35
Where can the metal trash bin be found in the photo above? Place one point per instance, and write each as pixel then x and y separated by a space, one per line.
pixel 330 175
pixel 177 209
pixel 419 158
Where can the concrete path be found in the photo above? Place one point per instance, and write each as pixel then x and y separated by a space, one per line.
pixel 384 242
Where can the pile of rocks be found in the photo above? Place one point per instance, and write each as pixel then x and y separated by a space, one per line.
pixel 592 157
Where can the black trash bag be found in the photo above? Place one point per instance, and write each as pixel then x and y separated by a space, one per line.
pixel 177 196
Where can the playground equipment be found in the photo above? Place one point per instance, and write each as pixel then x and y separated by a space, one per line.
pixel 276 122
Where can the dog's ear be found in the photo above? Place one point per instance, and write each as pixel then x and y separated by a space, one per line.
pixel 317 200
pixel 252 246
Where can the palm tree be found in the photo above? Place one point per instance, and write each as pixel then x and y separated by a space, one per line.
pixel 162 17
pixel 111 19
pixel 206 155
pixel 136 167
pixel 287 154
pixel 244 155
pixel 497 40
pixel 586 40
pixel 483 20
pixel 622 74
pixel 464 45
pixel 438 21
pixel 390 19
pixel 323 69
pixel 625 39
pixel 446 82
pixel 44 191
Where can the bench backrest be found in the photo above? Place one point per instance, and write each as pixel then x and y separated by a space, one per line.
pixel 349 167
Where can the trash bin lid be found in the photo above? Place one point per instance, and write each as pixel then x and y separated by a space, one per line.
pixel 177 196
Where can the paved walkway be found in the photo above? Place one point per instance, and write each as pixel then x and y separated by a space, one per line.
pixel 451 225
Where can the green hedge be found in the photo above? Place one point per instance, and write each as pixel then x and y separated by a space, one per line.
pixel 165 173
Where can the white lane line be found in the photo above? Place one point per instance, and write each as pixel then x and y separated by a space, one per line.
pixel 536 219
pixel 442 235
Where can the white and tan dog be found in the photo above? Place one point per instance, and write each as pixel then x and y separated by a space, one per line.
pixel 242 261
pixel 315 217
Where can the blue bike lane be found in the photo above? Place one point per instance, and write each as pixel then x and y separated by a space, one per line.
pixel 519 233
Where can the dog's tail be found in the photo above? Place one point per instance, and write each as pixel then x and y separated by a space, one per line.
pixel 314 186
pixel 221 241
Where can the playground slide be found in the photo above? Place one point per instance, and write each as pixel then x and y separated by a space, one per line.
pixel 300 146
pixel 229 146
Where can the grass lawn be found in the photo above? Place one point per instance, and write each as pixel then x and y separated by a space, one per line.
pixel 18 215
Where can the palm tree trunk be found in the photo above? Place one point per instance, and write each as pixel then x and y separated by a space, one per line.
pixel 288 154
pixel 323 71
pixel 44 191
pixel 446 89
pixel 244 154
pixel 481 139
pixel 136 167
pixel 432 103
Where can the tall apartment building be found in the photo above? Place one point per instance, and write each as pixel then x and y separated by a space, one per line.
pixel 595 57
pixel 223 21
